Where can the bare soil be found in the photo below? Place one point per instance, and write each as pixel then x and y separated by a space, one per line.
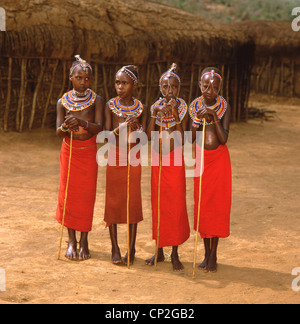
pixel 255 262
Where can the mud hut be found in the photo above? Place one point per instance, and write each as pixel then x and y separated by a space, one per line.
pixel 276 67
pixel 43 36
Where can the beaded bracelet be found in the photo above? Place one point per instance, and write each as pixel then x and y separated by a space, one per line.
pixel 86 126
pixel 63 129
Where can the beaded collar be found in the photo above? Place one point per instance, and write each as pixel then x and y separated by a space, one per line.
pixel 169 122
pixel 78 102
pixel 220 108
pixel 123 111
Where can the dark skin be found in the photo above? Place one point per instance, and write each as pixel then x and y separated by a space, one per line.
pixel 170 89
pixel 215 135
pixel 74 122
pixel 125 87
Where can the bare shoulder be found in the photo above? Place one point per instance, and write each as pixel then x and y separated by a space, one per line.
pixel 99 102
pixel 100 99
pixel 59 104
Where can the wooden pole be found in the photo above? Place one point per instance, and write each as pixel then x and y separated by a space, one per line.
pixel 200 195
pixel 95 86
pixel 158 199
pixel 191 84
pixel 21 101
pixel 8 98
pixel 36 91
pixel 24 81
pixel 64 79
pixel 66 196
pixel 105 83
pixel 128 202
pixel 49 94
pixel 281 78
pixel 293 79
pixel 147 85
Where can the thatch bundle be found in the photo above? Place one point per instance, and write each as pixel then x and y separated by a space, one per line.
pixel 43 36
pixel 277 61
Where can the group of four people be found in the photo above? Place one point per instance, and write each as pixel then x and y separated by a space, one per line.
pixel 84 114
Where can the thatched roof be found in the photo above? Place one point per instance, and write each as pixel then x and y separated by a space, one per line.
pixel 113 31
pixel 271 38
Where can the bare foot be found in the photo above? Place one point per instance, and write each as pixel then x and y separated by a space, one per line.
pixel 160 258
pixel 84 253
pixel 71 253
pixel 203 265
pixel 132 257
pixel 116 256
pixel 177 265
pixel 212 263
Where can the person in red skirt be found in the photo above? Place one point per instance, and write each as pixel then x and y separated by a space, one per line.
pixel 80 111
pixel 122 113
pixel 174 226
pixel 216 179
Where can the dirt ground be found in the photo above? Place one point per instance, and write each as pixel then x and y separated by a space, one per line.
pixel 255 262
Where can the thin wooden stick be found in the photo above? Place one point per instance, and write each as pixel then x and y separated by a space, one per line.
pixel 293 78
pixel 200 195
pixel 191 84
pixel 64 63
pixel 158 200
pixel 147 84
pixel 20 108
pixel 36 91
pixel 7 106
pixel 49 93
pixel 128 201
pixel 66 196
pixel 105 82
pixel 95 86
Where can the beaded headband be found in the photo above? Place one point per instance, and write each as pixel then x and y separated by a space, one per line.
pixel 170 73
pixel 212 74
pixel 129 73
pixel 80 62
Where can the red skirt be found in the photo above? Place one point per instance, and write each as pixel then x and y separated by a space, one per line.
pixel 82 184
pixel 216 194
pixel 116 189
pixel 174 223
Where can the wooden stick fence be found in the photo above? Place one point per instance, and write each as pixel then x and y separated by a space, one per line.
pixel 33 86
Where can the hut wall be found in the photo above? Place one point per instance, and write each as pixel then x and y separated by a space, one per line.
pixel 30 87
pixel 42 38
pixel 276 76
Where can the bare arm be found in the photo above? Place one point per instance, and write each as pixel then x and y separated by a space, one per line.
pixel 97 126
pixel 60 120
pixel 222 127
pixel 151 125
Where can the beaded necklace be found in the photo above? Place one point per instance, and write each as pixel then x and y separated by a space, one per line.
pixel 220 108
pixel 169 122
pixel 74 101
pixel 123 111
